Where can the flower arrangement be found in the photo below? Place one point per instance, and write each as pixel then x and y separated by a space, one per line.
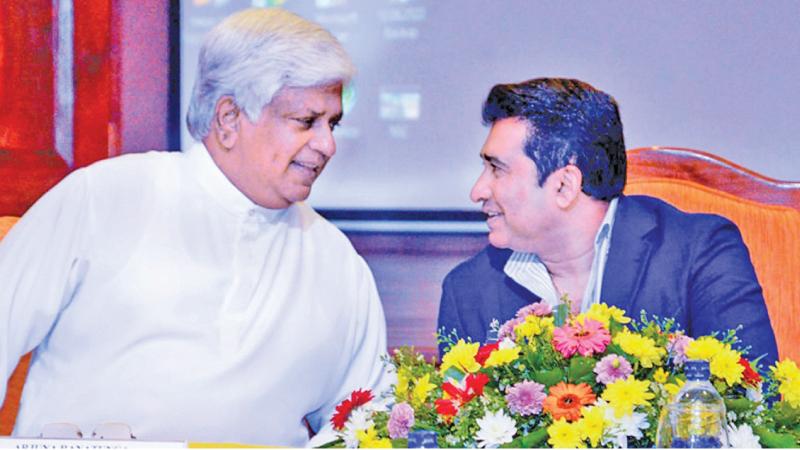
pixel 596 379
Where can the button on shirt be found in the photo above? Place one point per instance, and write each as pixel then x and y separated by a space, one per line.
pixel 531 273
pixel 158 295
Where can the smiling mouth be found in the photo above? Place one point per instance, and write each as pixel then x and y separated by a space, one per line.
pixel 492 214
pixel 311 168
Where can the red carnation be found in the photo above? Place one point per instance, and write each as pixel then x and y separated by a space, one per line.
pixel 474 387
pixel 446 408
pixel 751 377
pixel 485 351
pixel 357 398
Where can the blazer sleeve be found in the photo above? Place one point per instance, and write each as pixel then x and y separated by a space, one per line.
pixel 449 320
pixel 724 292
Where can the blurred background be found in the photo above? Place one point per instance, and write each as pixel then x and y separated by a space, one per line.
pixel 83 80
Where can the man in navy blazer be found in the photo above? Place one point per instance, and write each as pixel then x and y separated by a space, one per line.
pixel 560 228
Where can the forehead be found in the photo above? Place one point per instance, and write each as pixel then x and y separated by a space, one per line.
pixel 325 99
pixel 506 138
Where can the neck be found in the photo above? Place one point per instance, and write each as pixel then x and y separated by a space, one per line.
pixel 570 251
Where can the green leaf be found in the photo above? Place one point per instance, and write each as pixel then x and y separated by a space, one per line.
pixel 399 443
pixel 549 377
pixel 769 439
pixel 534 439
pixel 581 368
pixel 560 314
pixel 338 443
pixel 785 415
pixel 739 405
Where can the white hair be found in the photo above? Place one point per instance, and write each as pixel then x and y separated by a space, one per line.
pixel 254 53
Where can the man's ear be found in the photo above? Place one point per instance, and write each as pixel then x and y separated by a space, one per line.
pixel 569 181
pixel 225 126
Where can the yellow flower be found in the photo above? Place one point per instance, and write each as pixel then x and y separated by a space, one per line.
pixel 533 326
pixel 786 370
pixel 604 313
pixel 369 439
pixel 725 365
pixel 591 424
pixel 462 357
pixel 401 388
pixel 790 390
pixel 704 348
pixel 564 435
pixel 422 388
pixel 660 375
pixel 502 356
pixel 673 388
pixel 625 395
pixel 640 347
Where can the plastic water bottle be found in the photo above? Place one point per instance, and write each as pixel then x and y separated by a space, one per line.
pixel 696 417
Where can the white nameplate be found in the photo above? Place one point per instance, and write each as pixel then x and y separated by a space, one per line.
pixel 83 444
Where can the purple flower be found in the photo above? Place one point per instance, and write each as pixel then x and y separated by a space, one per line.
pixel 507 329
pixel 401 419
pixel 537 309
pixel 677 348
pixel 525 398
pixel 612 368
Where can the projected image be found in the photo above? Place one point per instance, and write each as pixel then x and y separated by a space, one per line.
pixel 412 127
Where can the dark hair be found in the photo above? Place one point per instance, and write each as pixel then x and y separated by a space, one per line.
pixel 570 122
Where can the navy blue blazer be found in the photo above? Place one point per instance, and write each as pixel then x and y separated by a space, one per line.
pixel 693 267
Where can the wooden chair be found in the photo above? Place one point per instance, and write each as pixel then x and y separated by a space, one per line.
pixel 766 211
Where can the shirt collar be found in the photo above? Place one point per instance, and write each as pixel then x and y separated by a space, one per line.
pixel 218 186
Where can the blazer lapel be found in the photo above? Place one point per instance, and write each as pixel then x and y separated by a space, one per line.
pixel 629 254
pixel 510 294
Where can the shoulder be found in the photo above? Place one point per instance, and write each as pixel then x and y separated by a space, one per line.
pixel 485 265
pixel 132 168
pixel 672 221
pixel 327 241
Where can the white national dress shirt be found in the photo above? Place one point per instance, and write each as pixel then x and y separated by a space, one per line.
pixel 531 273
pixel 160 296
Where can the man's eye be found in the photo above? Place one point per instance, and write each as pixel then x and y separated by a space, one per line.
pixel 307 122
pixel 333 125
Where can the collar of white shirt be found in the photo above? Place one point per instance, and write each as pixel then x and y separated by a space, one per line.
pixel 220 188
pixel 531 273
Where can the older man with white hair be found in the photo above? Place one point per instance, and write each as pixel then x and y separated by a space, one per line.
pixel 193 295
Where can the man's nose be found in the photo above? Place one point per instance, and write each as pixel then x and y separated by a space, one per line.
pixel 324 142
pixel 480 190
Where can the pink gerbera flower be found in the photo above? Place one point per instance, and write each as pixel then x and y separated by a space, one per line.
pixel 612 368
pixel 587 337
pixel 525 398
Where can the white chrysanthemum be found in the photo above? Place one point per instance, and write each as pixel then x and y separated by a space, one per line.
pixel 360 420
pixel 742 437
pixel 630 425
pixel 496 429
pixel 506 343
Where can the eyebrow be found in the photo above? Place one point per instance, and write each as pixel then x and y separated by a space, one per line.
pixel 316 114
pixel 493 160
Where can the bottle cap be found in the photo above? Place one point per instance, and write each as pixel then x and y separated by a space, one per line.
pixel 422 439
pixel 697 370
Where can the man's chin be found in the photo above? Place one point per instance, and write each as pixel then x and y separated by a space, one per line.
pixel 497 240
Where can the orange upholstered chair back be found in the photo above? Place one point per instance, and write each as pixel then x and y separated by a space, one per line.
pixel 8 413
pixel 766 211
